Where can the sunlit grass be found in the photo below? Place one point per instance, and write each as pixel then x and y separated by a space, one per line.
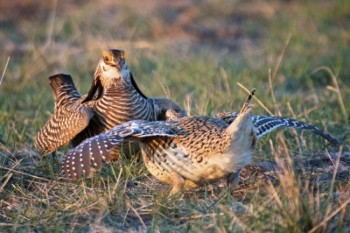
pixel 295 55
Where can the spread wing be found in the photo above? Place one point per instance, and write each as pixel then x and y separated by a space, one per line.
pixel 70 116
pixel 93 151
pixel 266 124
pixel 61 128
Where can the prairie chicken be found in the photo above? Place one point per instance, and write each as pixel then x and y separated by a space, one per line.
pixel 186 152
pixel 114 98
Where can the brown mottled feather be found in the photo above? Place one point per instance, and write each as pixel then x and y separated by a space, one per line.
pixel 185 153
pixel 114 98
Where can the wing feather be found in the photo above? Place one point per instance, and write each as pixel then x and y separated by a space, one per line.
pixel 267 124
pixel 62 127
pixel 92 151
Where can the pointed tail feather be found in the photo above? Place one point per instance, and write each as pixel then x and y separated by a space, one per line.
pixel 247 101
pixel 242 122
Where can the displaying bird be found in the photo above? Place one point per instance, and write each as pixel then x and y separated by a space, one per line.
pixel 114 98
pixel 185 153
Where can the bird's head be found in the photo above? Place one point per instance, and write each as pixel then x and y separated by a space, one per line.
pixel 112 65
pixel 111 69
pixel 167 110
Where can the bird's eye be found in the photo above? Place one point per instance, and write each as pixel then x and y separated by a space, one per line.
pixel 105 59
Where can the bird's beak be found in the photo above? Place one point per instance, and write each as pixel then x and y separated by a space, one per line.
pixel 108 57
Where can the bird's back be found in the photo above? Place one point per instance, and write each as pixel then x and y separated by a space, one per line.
pixel 199 153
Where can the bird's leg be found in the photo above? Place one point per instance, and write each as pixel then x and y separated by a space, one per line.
pixel 178 184
pixel 232 180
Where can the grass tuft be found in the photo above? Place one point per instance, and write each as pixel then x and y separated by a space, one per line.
pixel 201 54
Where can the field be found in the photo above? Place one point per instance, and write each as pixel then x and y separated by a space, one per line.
pixel 202 54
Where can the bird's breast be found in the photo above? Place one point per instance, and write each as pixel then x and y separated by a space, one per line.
pixel 165 158
pixel 121 107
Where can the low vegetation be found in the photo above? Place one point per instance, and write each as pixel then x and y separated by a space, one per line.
pixel 203 55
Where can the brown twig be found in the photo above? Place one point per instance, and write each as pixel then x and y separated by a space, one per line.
pixel 8 177
pixel 24 173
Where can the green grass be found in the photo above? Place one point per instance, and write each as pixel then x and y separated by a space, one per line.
pixel 195 54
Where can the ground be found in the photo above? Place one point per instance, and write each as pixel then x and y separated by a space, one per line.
pixel 202 54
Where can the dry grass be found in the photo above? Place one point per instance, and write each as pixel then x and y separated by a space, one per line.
pixel 294 54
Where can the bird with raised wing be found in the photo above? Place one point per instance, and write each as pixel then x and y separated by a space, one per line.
pixel 114 98
pixel 70 116
pixel 185 153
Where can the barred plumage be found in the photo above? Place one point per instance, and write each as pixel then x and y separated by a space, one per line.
pixel 68 112
pixel 184 153
pixel 114 98
pixel 266 124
